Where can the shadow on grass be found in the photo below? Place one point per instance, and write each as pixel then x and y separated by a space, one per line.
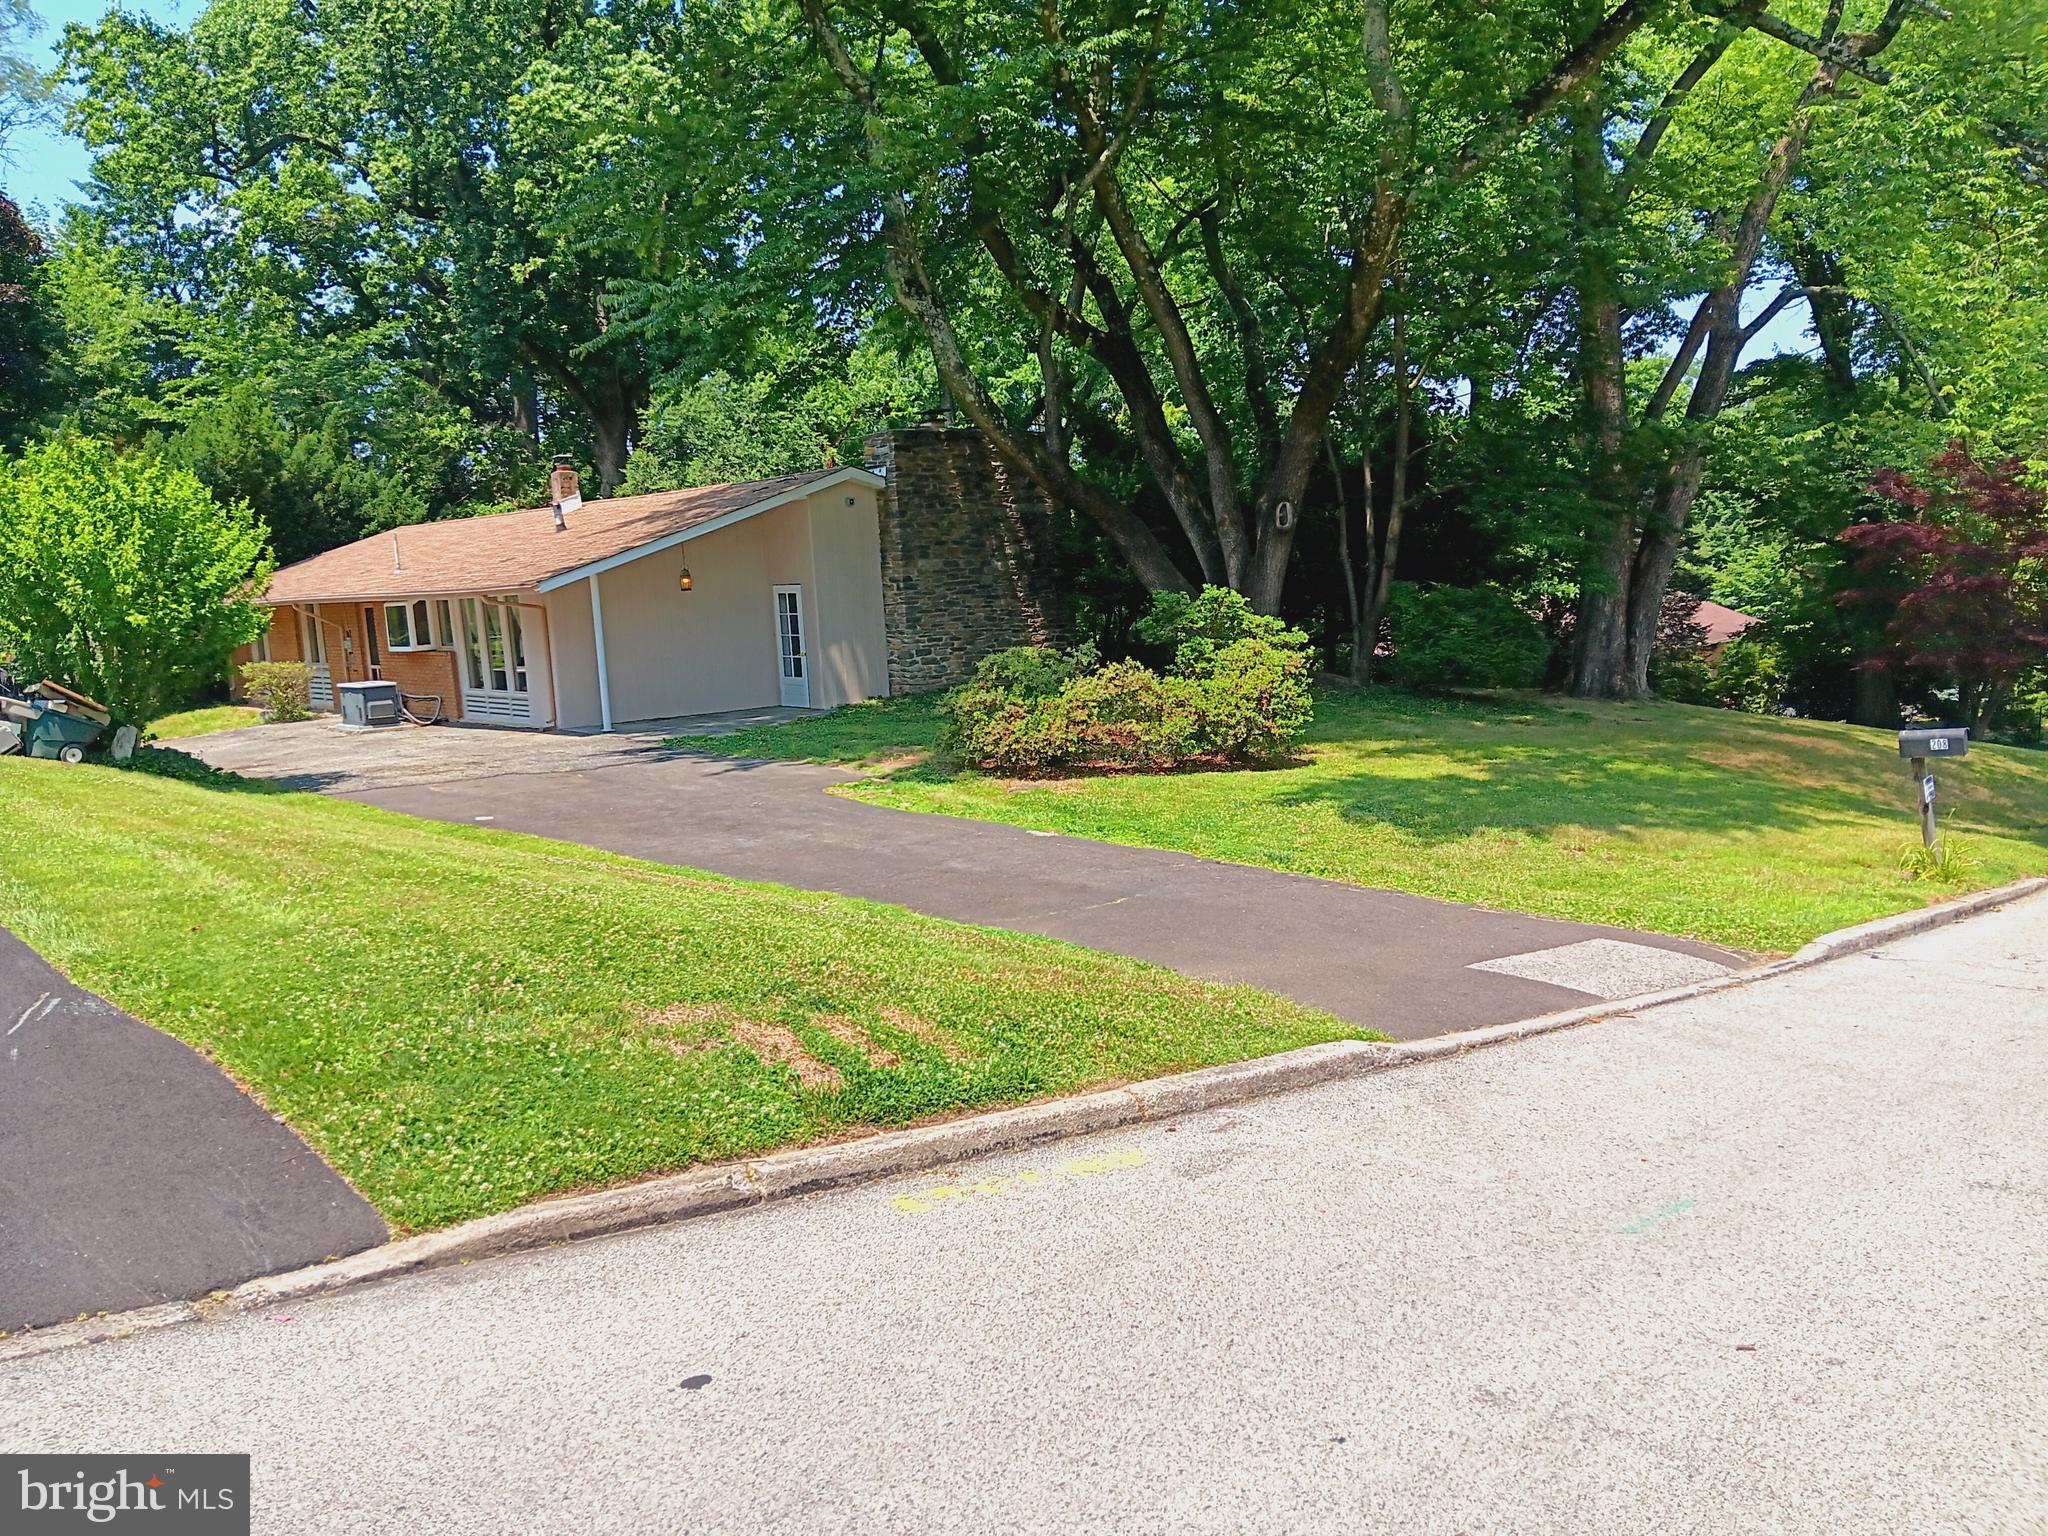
pixel 1540 788
pixel 170 763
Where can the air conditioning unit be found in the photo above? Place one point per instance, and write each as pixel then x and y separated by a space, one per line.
pixel 368 703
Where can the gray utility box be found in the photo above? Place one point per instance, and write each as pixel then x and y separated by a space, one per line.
pixel 368 703
pixel 1947 741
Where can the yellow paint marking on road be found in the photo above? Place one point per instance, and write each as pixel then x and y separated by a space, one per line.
pixel 1107 1162
pixel 1073 1168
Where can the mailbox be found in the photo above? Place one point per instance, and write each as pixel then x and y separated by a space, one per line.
pixel 1948 741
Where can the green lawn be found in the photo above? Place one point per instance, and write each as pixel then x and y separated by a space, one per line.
pixel 203 722
pixel 461 1019
pixel 1744 830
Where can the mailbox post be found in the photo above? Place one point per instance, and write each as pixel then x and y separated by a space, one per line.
pixel 1918 748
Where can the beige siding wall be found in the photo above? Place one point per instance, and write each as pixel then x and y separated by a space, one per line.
pixel 849 654
pixel 712 648
pixel 678 653
pixel 574 657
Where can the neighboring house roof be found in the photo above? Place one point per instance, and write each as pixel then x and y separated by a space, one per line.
pixel 1721 624
pixel 521 551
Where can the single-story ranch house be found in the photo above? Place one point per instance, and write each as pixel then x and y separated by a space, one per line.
pixel 808 590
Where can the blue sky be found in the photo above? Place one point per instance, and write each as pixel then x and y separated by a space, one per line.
pixel 44 164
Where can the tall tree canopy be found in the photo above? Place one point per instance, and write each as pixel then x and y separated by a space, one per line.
pixel 1288 297
pixel 337 180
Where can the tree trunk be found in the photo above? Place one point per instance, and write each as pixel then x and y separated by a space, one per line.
pixel 1600 646
pixel 1344 562
pixel 525 415
pixel 614 423
pixel 1650 572
pixel 1874 702
pixel 1387 560
pixel 1600 643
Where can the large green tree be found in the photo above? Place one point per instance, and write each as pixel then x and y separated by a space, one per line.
pixel 1679 156
pixel 1151 237
pixel 340 177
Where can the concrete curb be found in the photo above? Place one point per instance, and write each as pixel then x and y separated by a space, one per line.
pixel 1849 941
pixel 804 1170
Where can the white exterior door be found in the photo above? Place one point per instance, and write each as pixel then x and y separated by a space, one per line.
pixel 793 662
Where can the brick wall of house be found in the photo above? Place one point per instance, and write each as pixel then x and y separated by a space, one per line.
pixel 426 672
pixel 284 646
pixel 966 556
pixel 348 659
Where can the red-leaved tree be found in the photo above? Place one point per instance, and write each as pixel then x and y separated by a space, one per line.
pixel 1965 570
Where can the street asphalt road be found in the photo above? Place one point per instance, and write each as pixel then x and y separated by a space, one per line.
pixel 1392 962
pixel 132 1171
pixel 1772 1260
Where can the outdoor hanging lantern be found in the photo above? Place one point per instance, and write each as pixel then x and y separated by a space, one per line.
pixel 684 581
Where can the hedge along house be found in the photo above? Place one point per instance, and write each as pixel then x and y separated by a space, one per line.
pixel 808 590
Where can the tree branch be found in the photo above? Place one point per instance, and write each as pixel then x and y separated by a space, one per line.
pixel 1769 312
pixel 1564 77
pixel 1250 334
pixel 1659 123
pixel 1217 449
pixel 919 298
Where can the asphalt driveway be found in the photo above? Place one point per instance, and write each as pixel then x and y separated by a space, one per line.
pixel 1406 965
pixel 132 1171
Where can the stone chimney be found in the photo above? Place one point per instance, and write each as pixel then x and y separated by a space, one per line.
pixel 967 556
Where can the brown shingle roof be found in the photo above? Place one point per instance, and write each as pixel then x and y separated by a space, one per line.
pixel 513 551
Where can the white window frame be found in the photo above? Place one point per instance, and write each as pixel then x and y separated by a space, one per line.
pixel 312 639
pixel 427 624
pixel 259 648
